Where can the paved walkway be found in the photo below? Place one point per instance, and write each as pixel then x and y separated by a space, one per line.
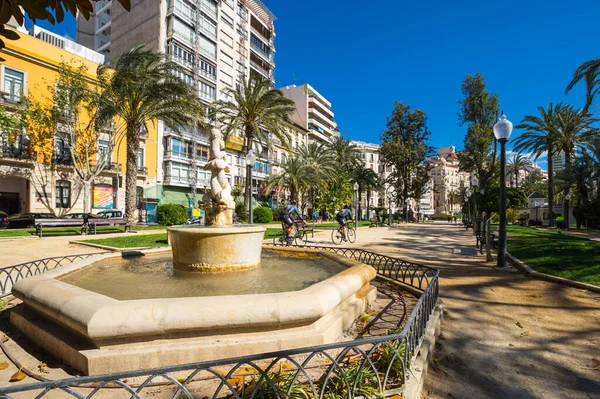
pixel 503 335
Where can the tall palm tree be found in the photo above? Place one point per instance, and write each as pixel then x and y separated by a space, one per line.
pixel 254 105
pixel 539 138
pixel 319 161
pixel 516 164
pixel 367 180
pixel 573 131
pixel 589 71
pixel 294 176
pixel 345 154
pixel 141 87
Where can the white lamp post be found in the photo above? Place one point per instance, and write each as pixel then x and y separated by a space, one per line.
pixel 355 187
pixel 250 161
pixel 502 130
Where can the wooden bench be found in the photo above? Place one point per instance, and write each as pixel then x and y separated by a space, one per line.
pixel 309 228
pixel 375 222
pixel 41 223
pixel 93 223
pixel 482 240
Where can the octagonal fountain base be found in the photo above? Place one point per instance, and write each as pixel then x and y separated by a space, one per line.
pixel 96 333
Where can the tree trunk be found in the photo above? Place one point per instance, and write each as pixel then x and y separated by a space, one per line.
pixel 133 146
pixel 550 187
pixel 359 203
pixel 517 180
pixel 87 194
pixel 567 190
pixel 248 188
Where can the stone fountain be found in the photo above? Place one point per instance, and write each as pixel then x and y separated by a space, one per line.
pixel 112 313
pixel 219 247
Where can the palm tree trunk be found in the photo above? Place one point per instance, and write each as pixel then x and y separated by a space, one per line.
pixel 567 189
pixel 550 186
pixel 517 180
pixel 133 146
pixel 249 146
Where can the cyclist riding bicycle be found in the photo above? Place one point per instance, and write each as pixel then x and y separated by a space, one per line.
pixel 286 219
pixel 341 217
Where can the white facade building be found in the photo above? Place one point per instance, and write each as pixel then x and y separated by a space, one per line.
pixel 313 112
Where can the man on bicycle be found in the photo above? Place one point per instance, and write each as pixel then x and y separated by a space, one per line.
pixel 341 217
pixel 286 219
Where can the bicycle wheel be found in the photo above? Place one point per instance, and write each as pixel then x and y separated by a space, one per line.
pixel 336 236
pixel 351 235
pixel 278 238
pixel 301 238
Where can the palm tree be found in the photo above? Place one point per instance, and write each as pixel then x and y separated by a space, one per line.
pixel 573 131
pixel 516 164
pixel 580 174
pixel 255 110
pixel 320 162
pixel 539 138
pixel 345 154
pixel 294 176
pixel 589 71
pixel 141 87
pixel 367 180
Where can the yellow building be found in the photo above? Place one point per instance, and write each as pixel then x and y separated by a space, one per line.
pixel 30 65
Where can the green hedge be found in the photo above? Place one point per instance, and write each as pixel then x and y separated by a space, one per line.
pixel 262 214
pixel 171 214
pixel 440 216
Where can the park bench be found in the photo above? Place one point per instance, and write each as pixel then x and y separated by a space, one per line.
pixel 375 222
pixel 41 223
pixel 481 237
pixel 93 223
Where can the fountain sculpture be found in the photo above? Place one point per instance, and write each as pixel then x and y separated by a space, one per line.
pixel 109 313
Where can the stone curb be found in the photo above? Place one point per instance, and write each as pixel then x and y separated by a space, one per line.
pixel 416 378
pixel 88 244
pixel 543 276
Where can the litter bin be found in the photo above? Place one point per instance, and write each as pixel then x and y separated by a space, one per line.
pixel 478 224
pixel 151 207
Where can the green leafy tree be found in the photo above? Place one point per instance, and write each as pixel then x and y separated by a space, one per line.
pixel 535 182
pixel 52 11
pixel 141 87
pixel 582 175
pixel 515 165
pixel 405 146
pixel 255 110
pixel 539 138
pixel 479 110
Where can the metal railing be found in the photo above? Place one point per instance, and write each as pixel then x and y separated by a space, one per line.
pixel 10 275
pixel 365 367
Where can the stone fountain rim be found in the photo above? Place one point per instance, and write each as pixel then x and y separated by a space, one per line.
pixel 100 318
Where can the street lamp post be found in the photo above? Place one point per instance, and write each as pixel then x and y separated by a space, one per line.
pixel 355 187
pixel 566 209
pixel 250 161
pixel 474 183
pixel 502 131
pixel 389 193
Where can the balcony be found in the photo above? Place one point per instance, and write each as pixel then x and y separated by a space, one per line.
pixel 209 10
pixel 321 108
pixel 262 53
pixel 316 113
pixel 176 180
pixel 260 69
pixel 320 126
pixel 12 151
pixel 189 41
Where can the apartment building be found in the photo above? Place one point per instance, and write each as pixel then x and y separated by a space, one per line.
pixel 218 44
pixel 446 178
pixel 313 112
pixel 369 154
pixel 27 182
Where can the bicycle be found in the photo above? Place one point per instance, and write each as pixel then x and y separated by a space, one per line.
pixel 300 236
pixel 338 235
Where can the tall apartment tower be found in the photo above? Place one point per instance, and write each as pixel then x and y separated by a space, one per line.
pixel 313 112
pixel 218 43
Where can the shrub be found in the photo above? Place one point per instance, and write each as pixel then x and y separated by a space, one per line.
pixel 241 213
pixel 262 214
pixel 440 216
pixel 512 215
pixel 171 214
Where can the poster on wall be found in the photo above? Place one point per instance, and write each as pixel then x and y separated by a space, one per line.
pixel 103 197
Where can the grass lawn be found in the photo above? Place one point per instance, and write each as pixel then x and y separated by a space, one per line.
pixel 560 255
pixel 147 240
pixel 50 231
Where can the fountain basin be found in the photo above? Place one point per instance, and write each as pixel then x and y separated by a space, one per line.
pixel 212 249
pixel 95 333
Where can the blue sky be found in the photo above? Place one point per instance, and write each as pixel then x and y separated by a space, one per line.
pixel 363 58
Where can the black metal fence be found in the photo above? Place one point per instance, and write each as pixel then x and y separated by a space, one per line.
pixel 366 367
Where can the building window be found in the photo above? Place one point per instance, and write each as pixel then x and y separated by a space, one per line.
pixel 103 150
pixel 208 92
pixel 13 84
pixel 140 161
pixel 227 19
pixel 63 194
pixel 178 148
pixel 201 152
pixel 139 197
